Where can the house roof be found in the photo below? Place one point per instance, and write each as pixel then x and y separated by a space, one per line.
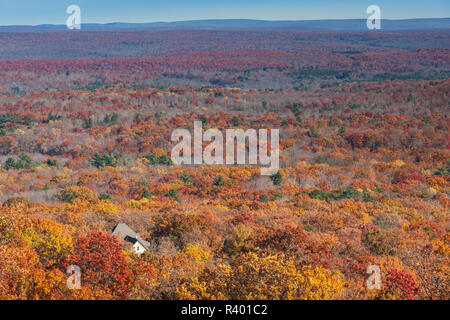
pixel 124 232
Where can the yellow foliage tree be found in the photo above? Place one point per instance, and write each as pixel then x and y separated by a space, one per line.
pixel 251 276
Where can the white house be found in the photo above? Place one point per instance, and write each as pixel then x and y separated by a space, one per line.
pixel 139 248
pixel 122 231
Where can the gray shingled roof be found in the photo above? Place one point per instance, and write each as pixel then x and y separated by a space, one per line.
pixel 124 232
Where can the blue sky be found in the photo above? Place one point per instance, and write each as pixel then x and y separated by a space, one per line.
pixel 32 12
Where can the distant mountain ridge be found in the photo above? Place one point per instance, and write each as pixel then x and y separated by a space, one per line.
pixel 318 25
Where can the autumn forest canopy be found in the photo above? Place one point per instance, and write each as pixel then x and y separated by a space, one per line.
pixel 86 119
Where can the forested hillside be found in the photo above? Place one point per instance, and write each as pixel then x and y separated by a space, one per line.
pixel 85 143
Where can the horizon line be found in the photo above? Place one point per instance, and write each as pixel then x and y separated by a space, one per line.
pixel 226 19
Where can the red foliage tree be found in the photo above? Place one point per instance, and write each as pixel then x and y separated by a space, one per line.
pixel 401 285
pixel 103 264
